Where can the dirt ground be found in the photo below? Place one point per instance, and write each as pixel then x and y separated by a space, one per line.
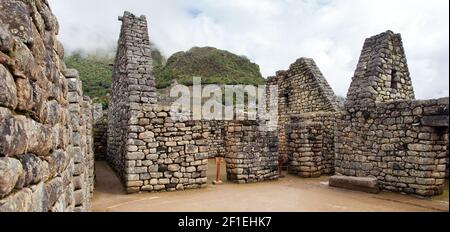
pixel 289 194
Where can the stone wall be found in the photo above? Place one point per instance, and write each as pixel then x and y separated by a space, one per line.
pixel 100 132
pixel 382 73
pixel 394 145
pixel 132 89
pixel 147 148
pixel 310 144
pixel 83 201
pixel 39 133
pixel 305 149
pixel 81 147
pixel 216 138
pixel 302 90
pixel 166 155
pixel 251 154
pixel 153 150
pixel 384 133
pixel 177 158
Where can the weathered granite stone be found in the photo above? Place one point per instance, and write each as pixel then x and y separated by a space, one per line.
pixel 57 162
pixel 13 130
pixel 72 73
pixel 24 95
pixel 8 93
pixel 6 39
pixel 33 169
pixel 16 16
pixel 38 145
pixel 54 190
pixel 24 64
pixel 10 172
pixel 36 122
pixel 435 121
pixel 39 200
pixel 17 202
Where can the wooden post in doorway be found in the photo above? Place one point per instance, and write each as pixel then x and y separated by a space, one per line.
pixel 218 181
pixel 281 161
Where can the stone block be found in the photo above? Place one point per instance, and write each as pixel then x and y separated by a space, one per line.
pixel 20 201
pixel 435 121
pixel 11 172
pixel 8 92
pixel 365 184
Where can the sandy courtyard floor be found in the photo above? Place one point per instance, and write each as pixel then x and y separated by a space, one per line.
pixel 289 194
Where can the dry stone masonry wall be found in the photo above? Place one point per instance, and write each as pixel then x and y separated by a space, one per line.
pixel 149 150
pixel 44 120
pixel 216 138
pixel 396 145
pixel 81 148
pixel 384 133
pixel 163 154
pixel 251 153
pixel 382 73
pixel 100 132
pixel 381 139
pixel 310 144
pixel 132 90
pixel 303 91
pixel 152 150
pixel 174 157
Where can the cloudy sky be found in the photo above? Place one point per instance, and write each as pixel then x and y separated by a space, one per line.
pixel 274 33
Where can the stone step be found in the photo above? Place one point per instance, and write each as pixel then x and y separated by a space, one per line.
pixel 364 184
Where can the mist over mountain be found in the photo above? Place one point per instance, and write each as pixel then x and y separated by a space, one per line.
pixel 214 66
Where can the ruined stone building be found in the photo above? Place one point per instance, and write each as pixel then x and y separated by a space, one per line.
pixel 384 133
pixel 307 109
pixel 381 139
pixel 150 150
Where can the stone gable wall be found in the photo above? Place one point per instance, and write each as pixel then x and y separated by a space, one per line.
pixel 149 150
pixel 382 74
pixel 132 89
pixel 384 133
pixel 303 90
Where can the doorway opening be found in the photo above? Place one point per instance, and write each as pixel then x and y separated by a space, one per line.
pixel 217 171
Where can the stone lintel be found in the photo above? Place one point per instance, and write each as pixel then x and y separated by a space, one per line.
pixel 435 121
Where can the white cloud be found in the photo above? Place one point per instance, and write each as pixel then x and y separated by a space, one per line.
pixel 275 33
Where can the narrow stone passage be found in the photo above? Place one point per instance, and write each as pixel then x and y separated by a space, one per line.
pixel 289 194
